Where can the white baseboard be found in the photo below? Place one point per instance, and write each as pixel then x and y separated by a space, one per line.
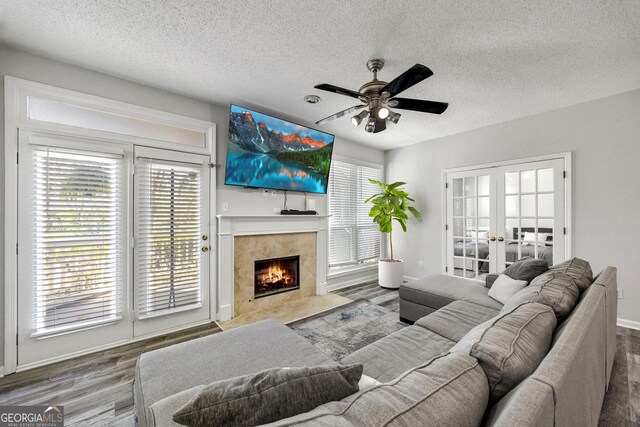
pixel 352 282
pixel 629 324
pixel 1 371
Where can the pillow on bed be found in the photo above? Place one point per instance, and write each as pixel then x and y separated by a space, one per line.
pixel 542 237
pixel 505 287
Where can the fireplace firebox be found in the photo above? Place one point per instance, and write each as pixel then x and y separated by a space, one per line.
pixel 276 275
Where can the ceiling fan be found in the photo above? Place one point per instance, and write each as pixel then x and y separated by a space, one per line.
pixel 379 96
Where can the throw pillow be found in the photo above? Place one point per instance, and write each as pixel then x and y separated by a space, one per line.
pixel 505 287
pixel 577 268
pixel 269 395
pixel 510 346
pixel 366 382
pixel 526 269
pixel 557 290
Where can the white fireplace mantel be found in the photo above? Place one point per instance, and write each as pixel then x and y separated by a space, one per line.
pixel 230 226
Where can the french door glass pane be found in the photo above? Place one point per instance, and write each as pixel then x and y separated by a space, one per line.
pixel 78 239
pixel 170 230
pixel 471 212
pixel 511 183
pixel 529 211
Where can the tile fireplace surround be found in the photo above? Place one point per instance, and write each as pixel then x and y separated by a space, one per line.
pixel 267 236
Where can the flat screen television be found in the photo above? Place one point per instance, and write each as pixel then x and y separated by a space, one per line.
pixel 267 152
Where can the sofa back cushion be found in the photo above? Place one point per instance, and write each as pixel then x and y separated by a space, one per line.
pixel 449 390
pixel 578 269
pixel 510 346
pixel 555 289
pixel 526 269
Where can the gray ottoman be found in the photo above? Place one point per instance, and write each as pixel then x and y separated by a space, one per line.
pixel 424 296
pixel 169 371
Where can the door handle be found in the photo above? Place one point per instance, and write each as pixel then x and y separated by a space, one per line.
pixel 205 237
pixel 500 239
pixel 492 238
pixel 205 249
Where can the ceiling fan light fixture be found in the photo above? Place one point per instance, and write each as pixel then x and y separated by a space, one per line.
pixel 371 123
pixel 358 118
pixel 383 113
pixel 394 117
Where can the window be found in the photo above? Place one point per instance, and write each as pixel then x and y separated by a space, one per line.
pixel 353 237
pixel 49 111
pixel 169 232
pixel 78 239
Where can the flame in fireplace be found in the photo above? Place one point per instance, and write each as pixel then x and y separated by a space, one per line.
pixel 276 272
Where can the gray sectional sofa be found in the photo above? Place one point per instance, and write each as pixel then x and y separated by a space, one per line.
pixel 453 366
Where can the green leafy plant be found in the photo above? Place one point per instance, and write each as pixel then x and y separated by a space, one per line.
pixel 391 204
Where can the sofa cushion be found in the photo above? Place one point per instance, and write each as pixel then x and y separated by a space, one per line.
pixel 510 346
pixel 269 395
pixel 161 412
pixel 438 290
pixel 577 268
pixel 557 290
pixel 530 403
pixel 398 352
pixel 447 391
pixel 220 356
pixel 526 269
pixel 456 319
pixel 505 287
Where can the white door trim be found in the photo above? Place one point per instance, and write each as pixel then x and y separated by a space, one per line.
pixel 15 101
pixel 568 195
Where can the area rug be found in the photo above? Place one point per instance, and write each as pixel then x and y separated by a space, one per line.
pixel 343 330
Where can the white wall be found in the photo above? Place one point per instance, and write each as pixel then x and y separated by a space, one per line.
pixel 39 69
pixel 604 136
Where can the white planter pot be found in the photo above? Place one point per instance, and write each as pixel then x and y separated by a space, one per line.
pixel 390 273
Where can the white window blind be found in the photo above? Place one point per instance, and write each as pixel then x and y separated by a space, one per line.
pixel 78 239
pixel 353 237
pixel 169 236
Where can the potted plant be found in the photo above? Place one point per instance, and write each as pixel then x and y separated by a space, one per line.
pixel 391 204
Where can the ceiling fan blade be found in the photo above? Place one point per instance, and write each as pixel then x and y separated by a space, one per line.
pixel 338 90
pixel 340 114
pixel 381 124
pixel 404 81
pixel 424 106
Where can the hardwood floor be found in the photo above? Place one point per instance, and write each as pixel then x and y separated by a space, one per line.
pixel 96 390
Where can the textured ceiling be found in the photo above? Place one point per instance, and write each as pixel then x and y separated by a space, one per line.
pixel 493 60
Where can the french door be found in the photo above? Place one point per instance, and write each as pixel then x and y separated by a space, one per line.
pixel 171 239
pixel 105 255
pixel 72 239
pixel 497 215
